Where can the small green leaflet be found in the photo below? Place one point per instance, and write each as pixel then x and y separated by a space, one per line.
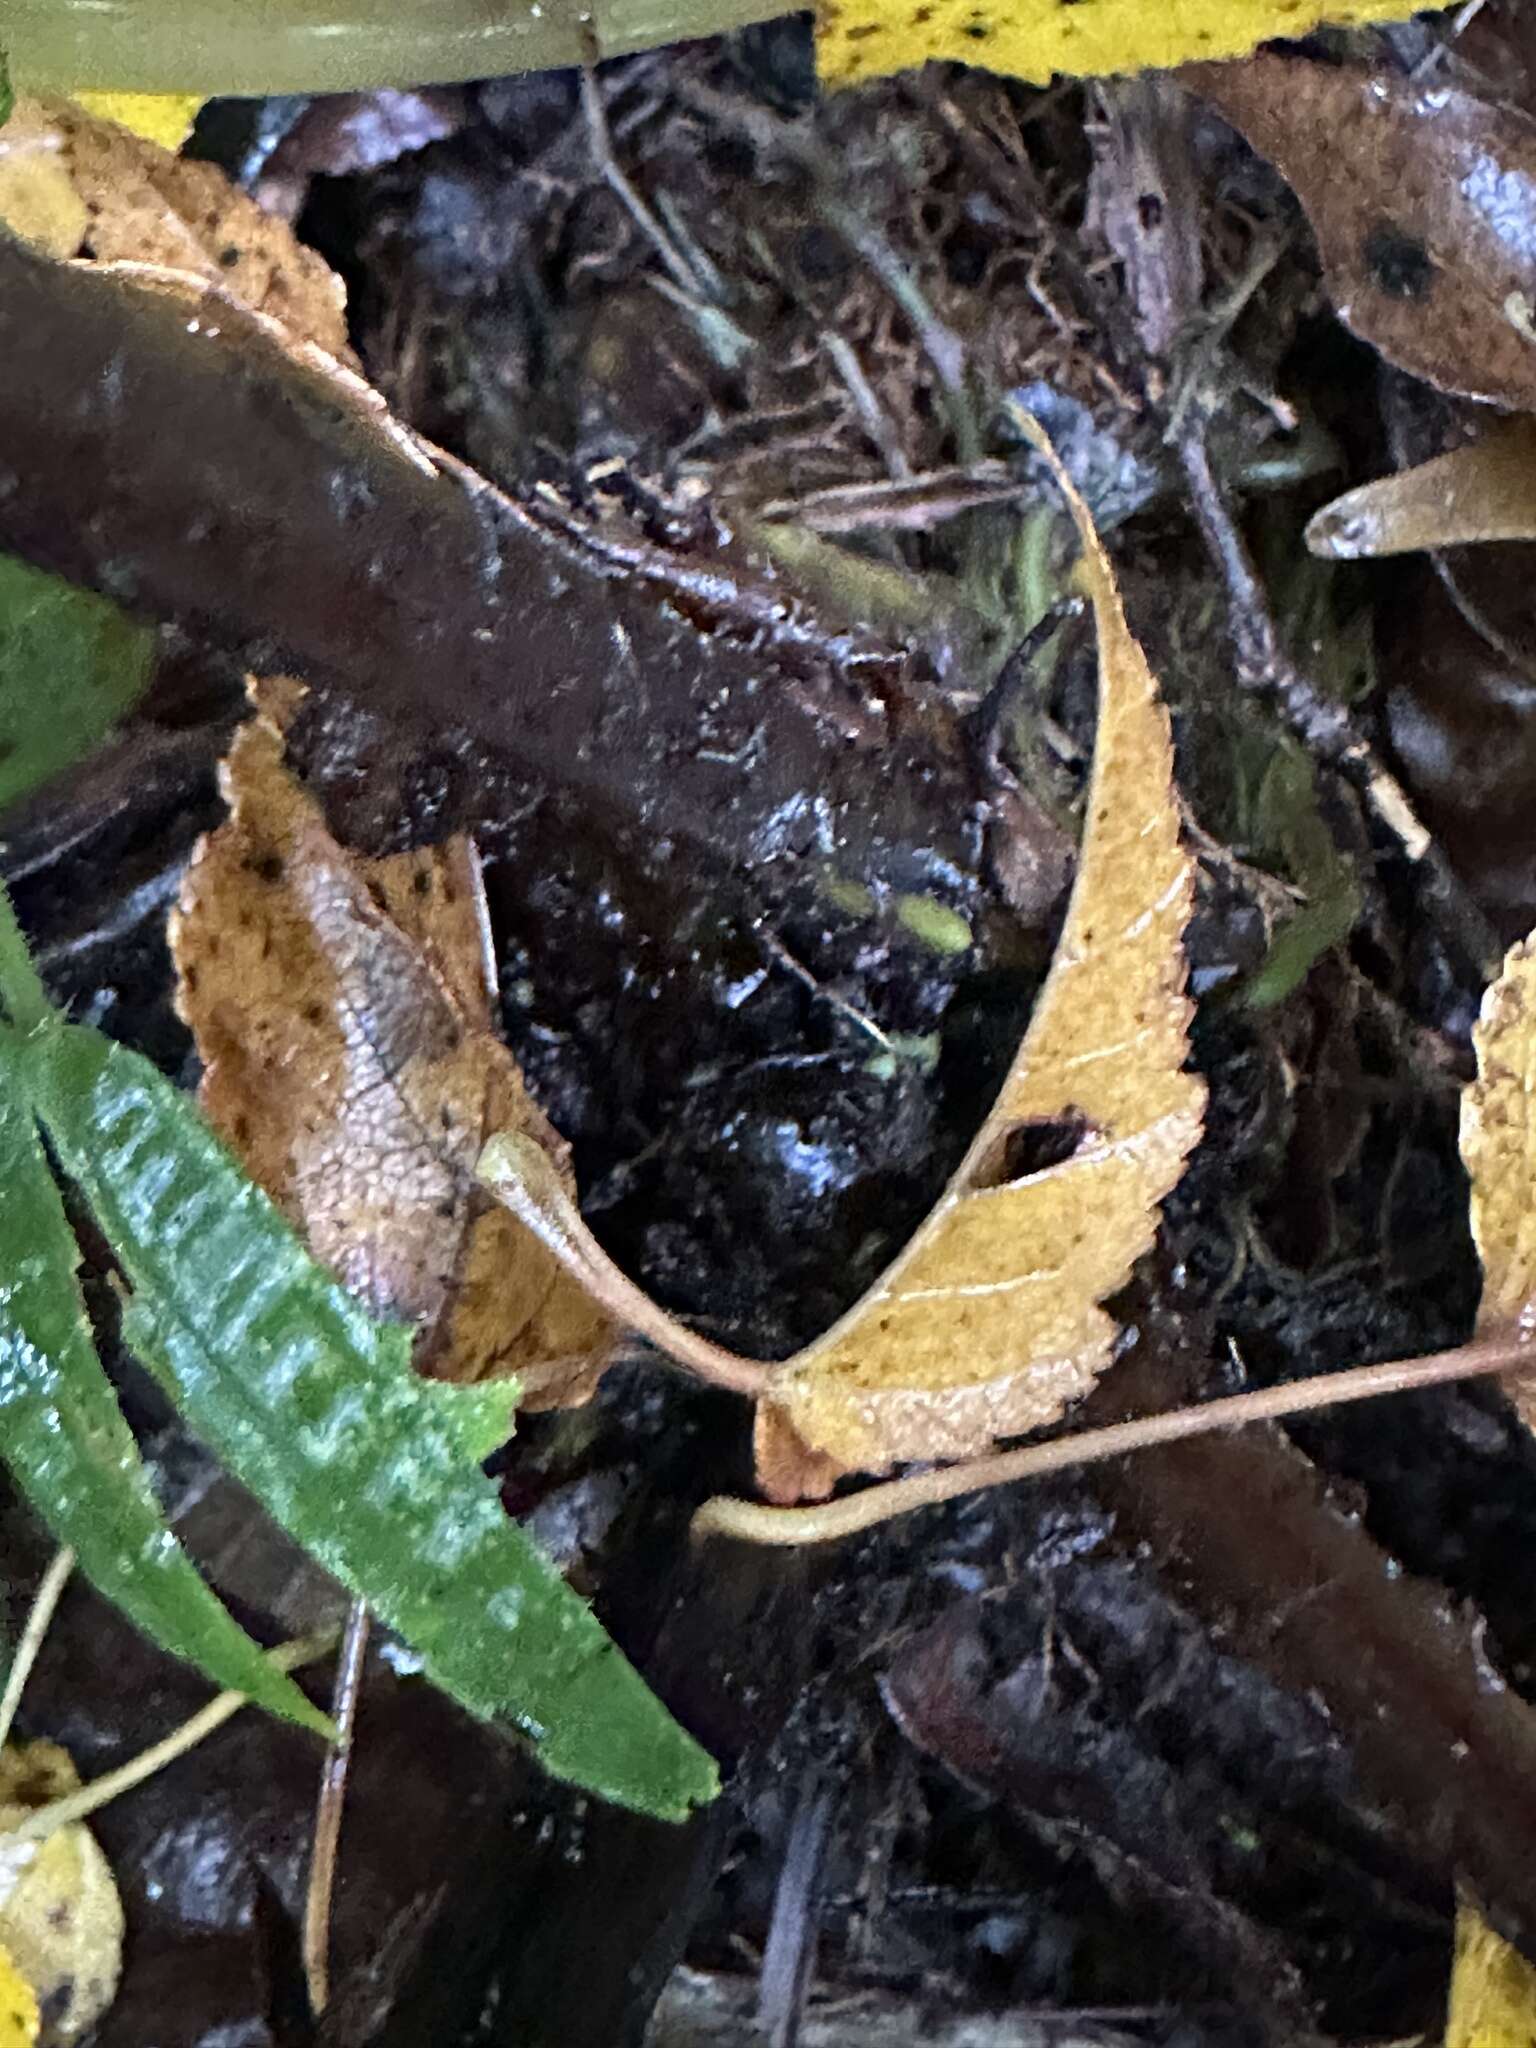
pixel 315 1407
pixel 71 664
pixel 68 1447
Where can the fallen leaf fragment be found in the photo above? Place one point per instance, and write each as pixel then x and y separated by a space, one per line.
pixel 988 1324
pixel 61 1920
pixel 1493 1989
pixel 164 118
pixel 1423 201
pixel 74 184
pixel 1483 491
pixel 343 1012
pixel 19 2018
pixel 1498 1149
pixel 1033 39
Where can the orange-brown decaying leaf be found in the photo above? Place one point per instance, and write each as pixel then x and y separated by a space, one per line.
pixel 989 1323
pixel 1498 1149
pixel 343 1010
pixel 77 184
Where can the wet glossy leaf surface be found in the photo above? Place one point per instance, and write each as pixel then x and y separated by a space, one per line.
pixel 65 1440
pixel 316 1408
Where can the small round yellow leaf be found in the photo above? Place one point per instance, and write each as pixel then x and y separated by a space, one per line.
pixel 61 1920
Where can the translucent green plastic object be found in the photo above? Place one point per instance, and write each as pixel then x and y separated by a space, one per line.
pixel 270 46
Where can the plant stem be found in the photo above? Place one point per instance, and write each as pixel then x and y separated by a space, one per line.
pixel 58 1813
pixel 44 1601
pixel 21 986
pixel 828 1520
pixel 234 46
pixel 329 1806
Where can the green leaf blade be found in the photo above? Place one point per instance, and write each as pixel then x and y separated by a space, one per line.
pixel 315 1407
pixel 71 664
pixel 64 1439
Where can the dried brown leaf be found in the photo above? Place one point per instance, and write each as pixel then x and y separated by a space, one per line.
pixel 1423 201
pixel 75 184
pixel 1483 491
pixel 989 1324
pixel 1498 1149
pixel 343 1010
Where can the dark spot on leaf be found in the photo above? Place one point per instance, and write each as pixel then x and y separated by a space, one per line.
pixel 866 29
pixel 242 1129
pixel 421 881
pixel 229 256
pixel 1400 263
pixel 1048 1141
pixel 978 31
pixel 1149 211
pixel 267 866
pixel 314 1013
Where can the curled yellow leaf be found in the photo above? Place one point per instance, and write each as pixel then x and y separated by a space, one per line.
pixel 1498 1149
pixel 1034 39
pixel 1483 491
pixel 989 1324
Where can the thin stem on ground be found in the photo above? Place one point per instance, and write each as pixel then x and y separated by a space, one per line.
pixel 44 1602
pixel 827 1521
pixel 329 1807
pixel 44 1821
pixel 1326 729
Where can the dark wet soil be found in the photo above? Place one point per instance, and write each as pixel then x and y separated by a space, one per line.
pixel 1042 1754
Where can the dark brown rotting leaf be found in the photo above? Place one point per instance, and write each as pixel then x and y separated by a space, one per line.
pixel 1423 201
pixel 1244 1524
pixel 212 480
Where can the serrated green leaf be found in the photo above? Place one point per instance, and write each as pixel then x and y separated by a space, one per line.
pixel 315 1407
pixel 71 664
pixel 65 1442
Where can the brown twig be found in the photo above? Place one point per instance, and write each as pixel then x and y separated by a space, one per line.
pixel 828 1520
pixel 1326 729
pixel 329 1807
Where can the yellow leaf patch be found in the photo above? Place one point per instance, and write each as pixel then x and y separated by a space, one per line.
pixel 1034 39
pixel 162 117
pixel 1493 1989
pixel 18 2007
pixel 1498 1149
